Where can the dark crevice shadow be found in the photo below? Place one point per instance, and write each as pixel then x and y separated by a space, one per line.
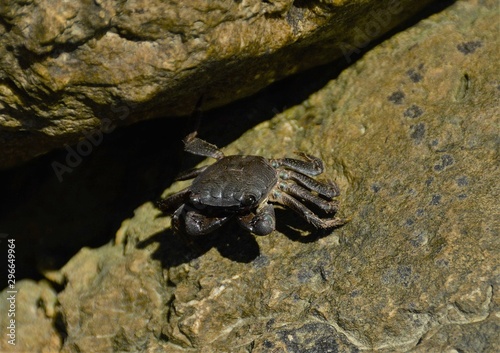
pixel 52 219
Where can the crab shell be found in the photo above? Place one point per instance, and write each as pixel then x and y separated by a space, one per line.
pixel 234 183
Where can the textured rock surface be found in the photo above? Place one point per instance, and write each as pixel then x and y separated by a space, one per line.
pixel 410 133
pixel 68 68
pixel 35 318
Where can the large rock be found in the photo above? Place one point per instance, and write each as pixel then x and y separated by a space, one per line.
pixel 410 134
pixel 71 67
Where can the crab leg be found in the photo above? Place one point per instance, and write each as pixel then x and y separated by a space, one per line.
pixel 329 190
pixel 300 192
pixel 191 173
pixel 262 222
pixel 187 221
pixel 199 224
pixel 197 146
pixel 311 166
pixel 307 214
pixel 172 202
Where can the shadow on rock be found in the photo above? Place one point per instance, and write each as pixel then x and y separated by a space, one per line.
pixel 176 249
pixel 231 241
pixel 297 229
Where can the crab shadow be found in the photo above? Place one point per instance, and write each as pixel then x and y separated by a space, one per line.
pixel 176 249
pixel 231 241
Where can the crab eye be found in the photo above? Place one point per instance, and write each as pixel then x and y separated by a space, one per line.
pixel 248 200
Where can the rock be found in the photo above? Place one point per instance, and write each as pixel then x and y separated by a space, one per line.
pixel 31 307
pixel 410 134
pixel 72 69
pixel 119 291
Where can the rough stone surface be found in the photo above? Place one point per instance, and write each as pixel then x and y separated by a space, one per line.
pixel 33 311
pixel 71 68
pixel 410 134
pixel 101 322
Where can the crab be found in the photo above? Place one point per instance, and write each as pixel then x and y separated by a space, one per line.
pixel 246 187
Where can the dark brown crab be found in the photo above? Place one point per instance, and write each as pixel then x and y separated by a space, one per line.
pixel 245 187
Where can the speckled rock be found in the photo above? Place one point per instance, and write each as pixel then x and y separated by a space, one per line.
pixel 410 134
pixel 70 69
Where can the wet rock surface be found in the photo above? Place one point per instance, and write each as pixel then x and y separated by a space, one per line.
pixel 71 69
pixel 410 134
